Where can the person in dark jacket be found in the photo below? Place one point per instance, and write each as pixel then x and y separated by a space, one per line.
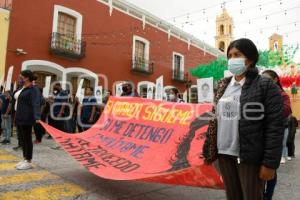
pixel 271 184
pixel 27 114
pixel 292 124
pixel 287 110
pixel 58 104
pixel 39 130
pixel 87 110
pixel 128 91
pixel 247 131
pixel 14 105
pixel 58 107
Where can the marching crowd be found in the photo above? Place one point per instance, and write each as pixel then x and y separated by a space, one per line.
pixel 248 153
pixel 61 109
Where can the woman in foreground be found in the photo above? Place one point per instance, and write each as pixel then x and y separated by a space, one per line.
pixel 246 134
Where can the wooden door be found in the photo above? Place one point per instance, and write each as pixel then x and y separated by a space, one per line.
pixel 41 77
pixel 74 82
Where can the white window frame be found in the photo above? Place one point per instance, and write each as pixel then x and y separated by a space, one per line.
pixel 147 83
pixel 68 11
pixel 181 64
pixel 147 48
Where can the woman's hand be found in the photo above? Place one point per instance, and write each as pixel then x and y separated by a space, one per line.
pixel 266 173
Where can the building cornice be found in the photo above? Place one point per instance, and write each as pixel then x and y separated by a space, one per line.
pixel 163 25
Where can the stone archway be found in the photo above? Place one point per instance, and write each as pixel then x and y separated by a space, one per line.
pixel 74 74
pixel 43 68
pixel 142 88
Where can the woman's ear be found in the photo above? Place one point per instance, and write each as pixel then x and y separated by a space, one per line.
pixel 248 63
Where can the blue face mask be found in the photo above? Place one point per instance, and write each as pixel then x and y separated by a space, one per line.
pixel 237 66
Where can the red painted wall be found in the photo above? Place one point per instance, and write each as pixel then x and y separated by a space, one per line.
pixel 109 41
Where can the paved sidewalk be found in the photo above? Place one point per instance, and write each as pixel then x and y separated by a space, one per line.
pixel 58 168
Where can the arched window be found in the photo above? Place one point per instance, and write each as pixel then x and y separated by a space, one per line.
pixel 222 29
pixel 230 29
pixel 222 46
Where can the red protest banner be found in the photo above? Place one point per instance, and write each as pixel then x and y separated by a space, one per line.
pixel 145 140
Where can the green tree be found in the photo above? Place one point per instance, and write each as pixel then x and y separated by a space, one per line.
pixel 267 59
pixel 213 69
pixel 270 59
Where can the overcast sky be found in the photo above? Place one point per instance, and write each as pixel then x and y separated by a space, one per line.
pixel 254 19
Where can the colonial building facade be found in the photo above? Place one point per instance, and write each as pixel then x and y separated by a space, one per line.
pixel 106 41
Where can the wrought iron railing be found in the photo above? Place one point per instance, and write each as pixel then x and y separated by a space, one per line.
pixel 179 76
pixel 142 65
pixel 67 46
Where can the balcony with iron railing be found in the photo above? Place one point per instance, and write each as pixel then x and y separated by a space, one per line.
pixel 67 46
pixel 143 66
pixel 180 77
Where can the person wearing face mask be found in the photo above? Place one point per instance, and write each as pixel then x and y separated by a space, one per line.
pixel 246 134
pixel 173 96
pixel 27 114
